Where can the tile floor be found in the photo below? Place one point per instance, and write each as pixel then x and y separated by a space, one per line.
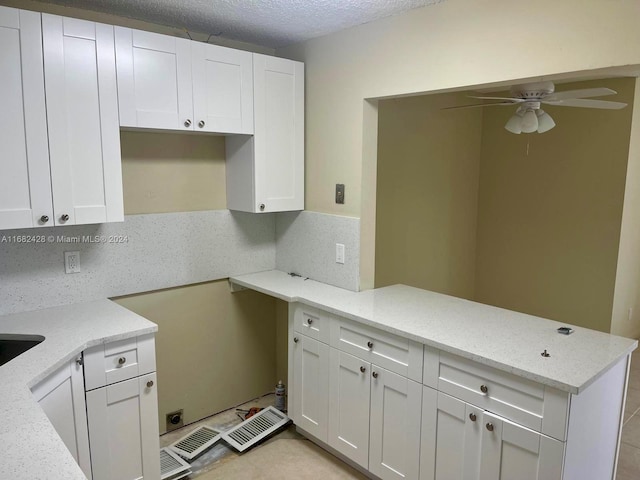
pixel 288 455
pixel 629 461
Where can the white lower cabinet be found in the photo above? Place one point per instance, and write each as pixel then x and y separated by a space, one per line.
pixel 122 409
pixel 374 416
pixel 349 392
pixel 464 421
pixel 123 430
pixel 310 406
pixel 394 438
pixel 61 396
pixel 463 442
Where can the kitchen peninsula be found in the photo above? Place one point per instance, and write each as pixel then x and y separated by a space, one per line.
pixel 431 356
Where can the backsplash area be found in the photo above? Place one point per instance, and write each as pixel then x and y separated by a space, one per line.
pixel 306 244
pixel 155 251
pixel 146 252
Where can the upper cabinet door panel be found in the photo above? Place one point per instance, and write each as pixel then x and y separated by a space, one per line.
pixel 25 190
pixel 222 89
pixel 279 133
pixel 154 80
pixel 84 137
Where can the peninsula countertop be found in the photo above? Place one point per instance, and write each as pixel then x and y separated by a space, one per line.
pixel 29 445
pixel 503 339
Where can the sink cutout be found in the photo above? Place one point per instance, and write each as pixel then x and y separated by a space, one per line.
pixel 13 345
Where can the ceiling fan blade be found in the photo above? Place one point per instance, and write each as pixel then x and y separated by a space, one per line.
pixel 583 93
pixel 587 103
pixel 478 105
pixel 510 99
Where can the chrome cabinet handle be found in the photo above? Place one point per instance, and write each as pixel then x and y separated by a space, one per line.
pixel 187 123
pixel 362 369
pixel 370 344
pixel 490 426
pixel 79 361
pixel 201 123
pixel 472 417
pixel 122 360
pixel 484 388
pixel 64 217
pixel 150 384
pixel 262 206
pixel 374 374
pixel 295 339
pixel 44 218
pixel 309 321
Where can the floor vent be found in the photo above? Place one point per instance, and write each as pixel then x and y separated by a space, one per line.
pixel 251 431
pixel 172 467
pixel 196 442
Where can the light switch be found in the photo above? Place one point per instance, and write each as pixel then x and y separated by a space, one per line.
pixel 339 253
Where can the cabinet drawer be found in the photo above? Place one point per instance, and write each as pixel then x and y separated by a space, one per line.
pixel 117 361
pixel 311 322
pixel 528 403
pixel 400 355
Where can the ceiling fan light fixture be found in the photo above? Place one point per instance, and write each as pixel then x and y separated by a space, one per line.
pixel 529 121
pixel 545 122
pixel 514 125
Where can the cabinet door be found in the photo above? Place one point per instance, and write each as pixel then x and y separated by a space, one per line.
pixel 279 133
pixel 82 118
pixel 396 407
pixel 311 385
pixel 61 396
pixel 450 448
pixel 123 430
pixel 511 451
pixel 222 89
pixel 154 80
pixel 25 188
pixel 349 384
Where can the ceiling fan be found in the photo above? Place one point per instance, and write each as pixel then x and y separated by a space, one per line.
pixel 529 97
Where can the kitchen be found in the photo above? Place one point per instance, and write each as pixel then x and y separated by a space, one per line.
pixel 334 112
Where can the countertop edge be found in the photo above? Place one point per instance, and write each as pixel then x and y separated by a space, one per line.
pixel 547 381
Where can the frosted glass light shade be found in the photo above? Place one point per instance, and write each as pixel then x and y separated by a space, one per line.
pixel 514 125
pixel 529 122
pixel 545 122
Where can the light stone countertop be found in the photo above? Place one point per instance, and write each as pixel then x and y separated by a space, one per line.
pixel 507 340
pixel 30 448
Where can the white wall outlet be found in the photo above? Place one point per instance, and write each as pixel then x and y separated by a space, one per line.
pixel 72 262
pixel 339 253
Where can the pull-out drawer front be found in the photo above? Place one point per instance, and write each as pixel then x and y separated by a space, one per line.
pixel 518 399
pixel 311 322
pixel 117 361
pixel 400 355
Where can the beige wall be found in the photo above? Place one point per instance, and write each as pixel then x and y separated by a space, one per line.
pixel 214 349
pixel 549 221
pixel 428 168
pixel 449 45
pixel 172 172
pixel 626 301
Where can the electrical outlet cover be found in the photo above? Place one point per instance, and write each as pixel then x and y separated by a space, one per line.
pixel 72 262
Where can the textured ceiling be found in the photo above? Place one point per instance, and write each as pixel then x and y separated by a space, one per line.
pixel 270 23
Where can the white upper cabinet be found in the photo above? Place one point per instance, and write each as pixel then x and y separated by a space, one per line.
pixel 25 189
pixel 175 84
pixel 222 89
pixel 154 80
pixel 265 172
pixel 82 118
